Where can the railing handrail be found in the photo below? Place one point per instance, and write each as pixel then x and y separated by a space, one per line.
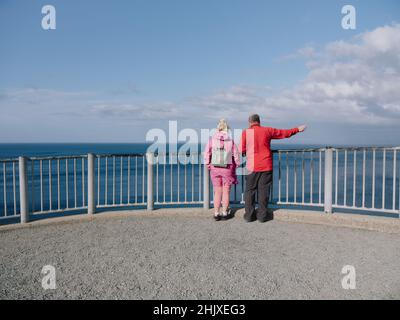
pixel 63 157
pixel 337 148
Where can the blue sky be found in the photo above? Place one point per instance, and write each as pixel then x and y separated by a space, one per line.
pixel 112 70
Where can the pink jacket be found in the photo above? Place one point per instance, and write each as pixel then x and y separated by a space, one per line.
pixel 215 141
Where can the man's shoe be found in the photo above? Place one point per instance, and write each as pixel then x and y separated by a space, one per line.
pixel 251 219
pixel 265 218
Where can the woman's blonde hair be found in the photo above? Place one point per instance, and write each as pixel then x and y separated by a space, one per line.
pixel 223 125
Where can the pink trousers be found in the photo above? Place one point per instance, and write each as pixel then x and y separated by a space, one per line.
pixel 221 195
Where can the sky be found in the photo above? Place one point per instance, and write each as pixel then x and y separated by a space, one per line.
pixel 113 70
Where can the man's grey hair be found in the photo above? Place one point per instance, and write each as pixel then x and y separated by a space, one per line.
pixel 254 118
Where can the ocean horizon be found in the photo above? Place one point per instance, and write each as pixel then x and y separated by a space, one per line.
pixel 38 149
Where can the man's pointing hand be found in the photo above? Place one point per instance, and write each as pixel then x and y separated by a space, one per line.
pixel 302 128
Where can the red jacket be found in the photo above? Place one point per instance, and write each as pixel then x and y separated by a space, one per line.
pixel 256 144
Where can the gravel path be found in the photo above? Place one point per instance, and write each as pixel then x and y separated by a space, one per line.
pixel 197 258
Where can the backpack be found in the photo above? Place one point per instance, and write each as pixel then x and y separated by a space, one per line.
pixel 220 157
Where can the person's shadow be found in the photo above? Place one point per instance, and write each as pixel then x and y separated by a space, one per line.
pixel 270 214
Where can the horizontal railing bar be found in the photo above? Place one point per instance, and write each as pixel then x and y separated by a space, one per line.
pixel 367 148
pixel 10 217
pixel 57 157
pixel 58 210
pixel 336 148
pixel 117 205
pixel 199 153
pixel 181 202
pixel 8 160
pixel 144 154
pixel 313 204
pixel 297 150
pixel 369 209
pixel 117 155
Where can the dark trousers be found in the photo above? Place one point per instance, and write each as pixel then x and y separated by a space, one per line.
pixel 260 183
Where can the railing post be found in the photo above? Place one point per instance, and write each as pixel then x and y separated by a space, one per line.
pixel 90 184
pixel 150 180
pixel 23 190
pixel 206 188
pixel 328 180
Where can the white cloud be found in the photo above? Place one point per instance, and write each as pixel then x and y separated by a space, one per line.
pixel 357 81
pixel 306 52
pixel 135 111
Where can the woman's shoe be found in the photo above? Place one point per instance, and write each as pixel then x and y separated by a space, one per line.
pixel 226 215
pixel 217 218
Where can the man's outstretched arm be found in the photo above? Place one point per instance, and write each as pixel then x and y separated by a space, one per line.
pixel 286 133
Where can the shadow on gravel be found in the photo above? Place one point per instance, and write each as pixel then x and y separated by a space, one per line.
pixel 270 215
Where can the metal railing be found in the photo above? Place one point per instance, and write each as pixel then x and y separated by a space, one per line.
pixel 10 186
pixel 344 178
pixel 330 178
pixel 120 180
pixel 303 176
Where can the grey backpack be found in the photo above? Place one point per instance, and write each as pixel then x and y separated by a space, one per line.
pixel 219 156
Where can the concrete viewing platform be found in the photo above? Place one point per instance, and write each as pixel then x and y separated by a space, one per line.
pixel 184 254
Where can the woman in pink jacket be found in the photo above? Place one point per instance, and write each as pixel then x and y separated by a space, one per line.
pixel 223 174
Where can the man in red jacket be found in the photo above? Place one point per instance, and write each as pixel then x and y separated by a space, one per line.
pixel 256 145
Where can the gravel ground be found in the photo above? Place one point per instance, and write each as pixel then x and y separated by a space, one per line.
pixel 197 258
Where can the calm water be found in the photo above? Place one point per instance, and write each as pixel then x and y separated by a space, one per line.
pixel 189 188
pixel 61 149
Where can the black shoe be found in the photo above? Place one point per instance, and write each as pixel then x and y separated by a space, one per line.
pixel 217 218
pixel 249 219
pixel 227 216
pixel 265 218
